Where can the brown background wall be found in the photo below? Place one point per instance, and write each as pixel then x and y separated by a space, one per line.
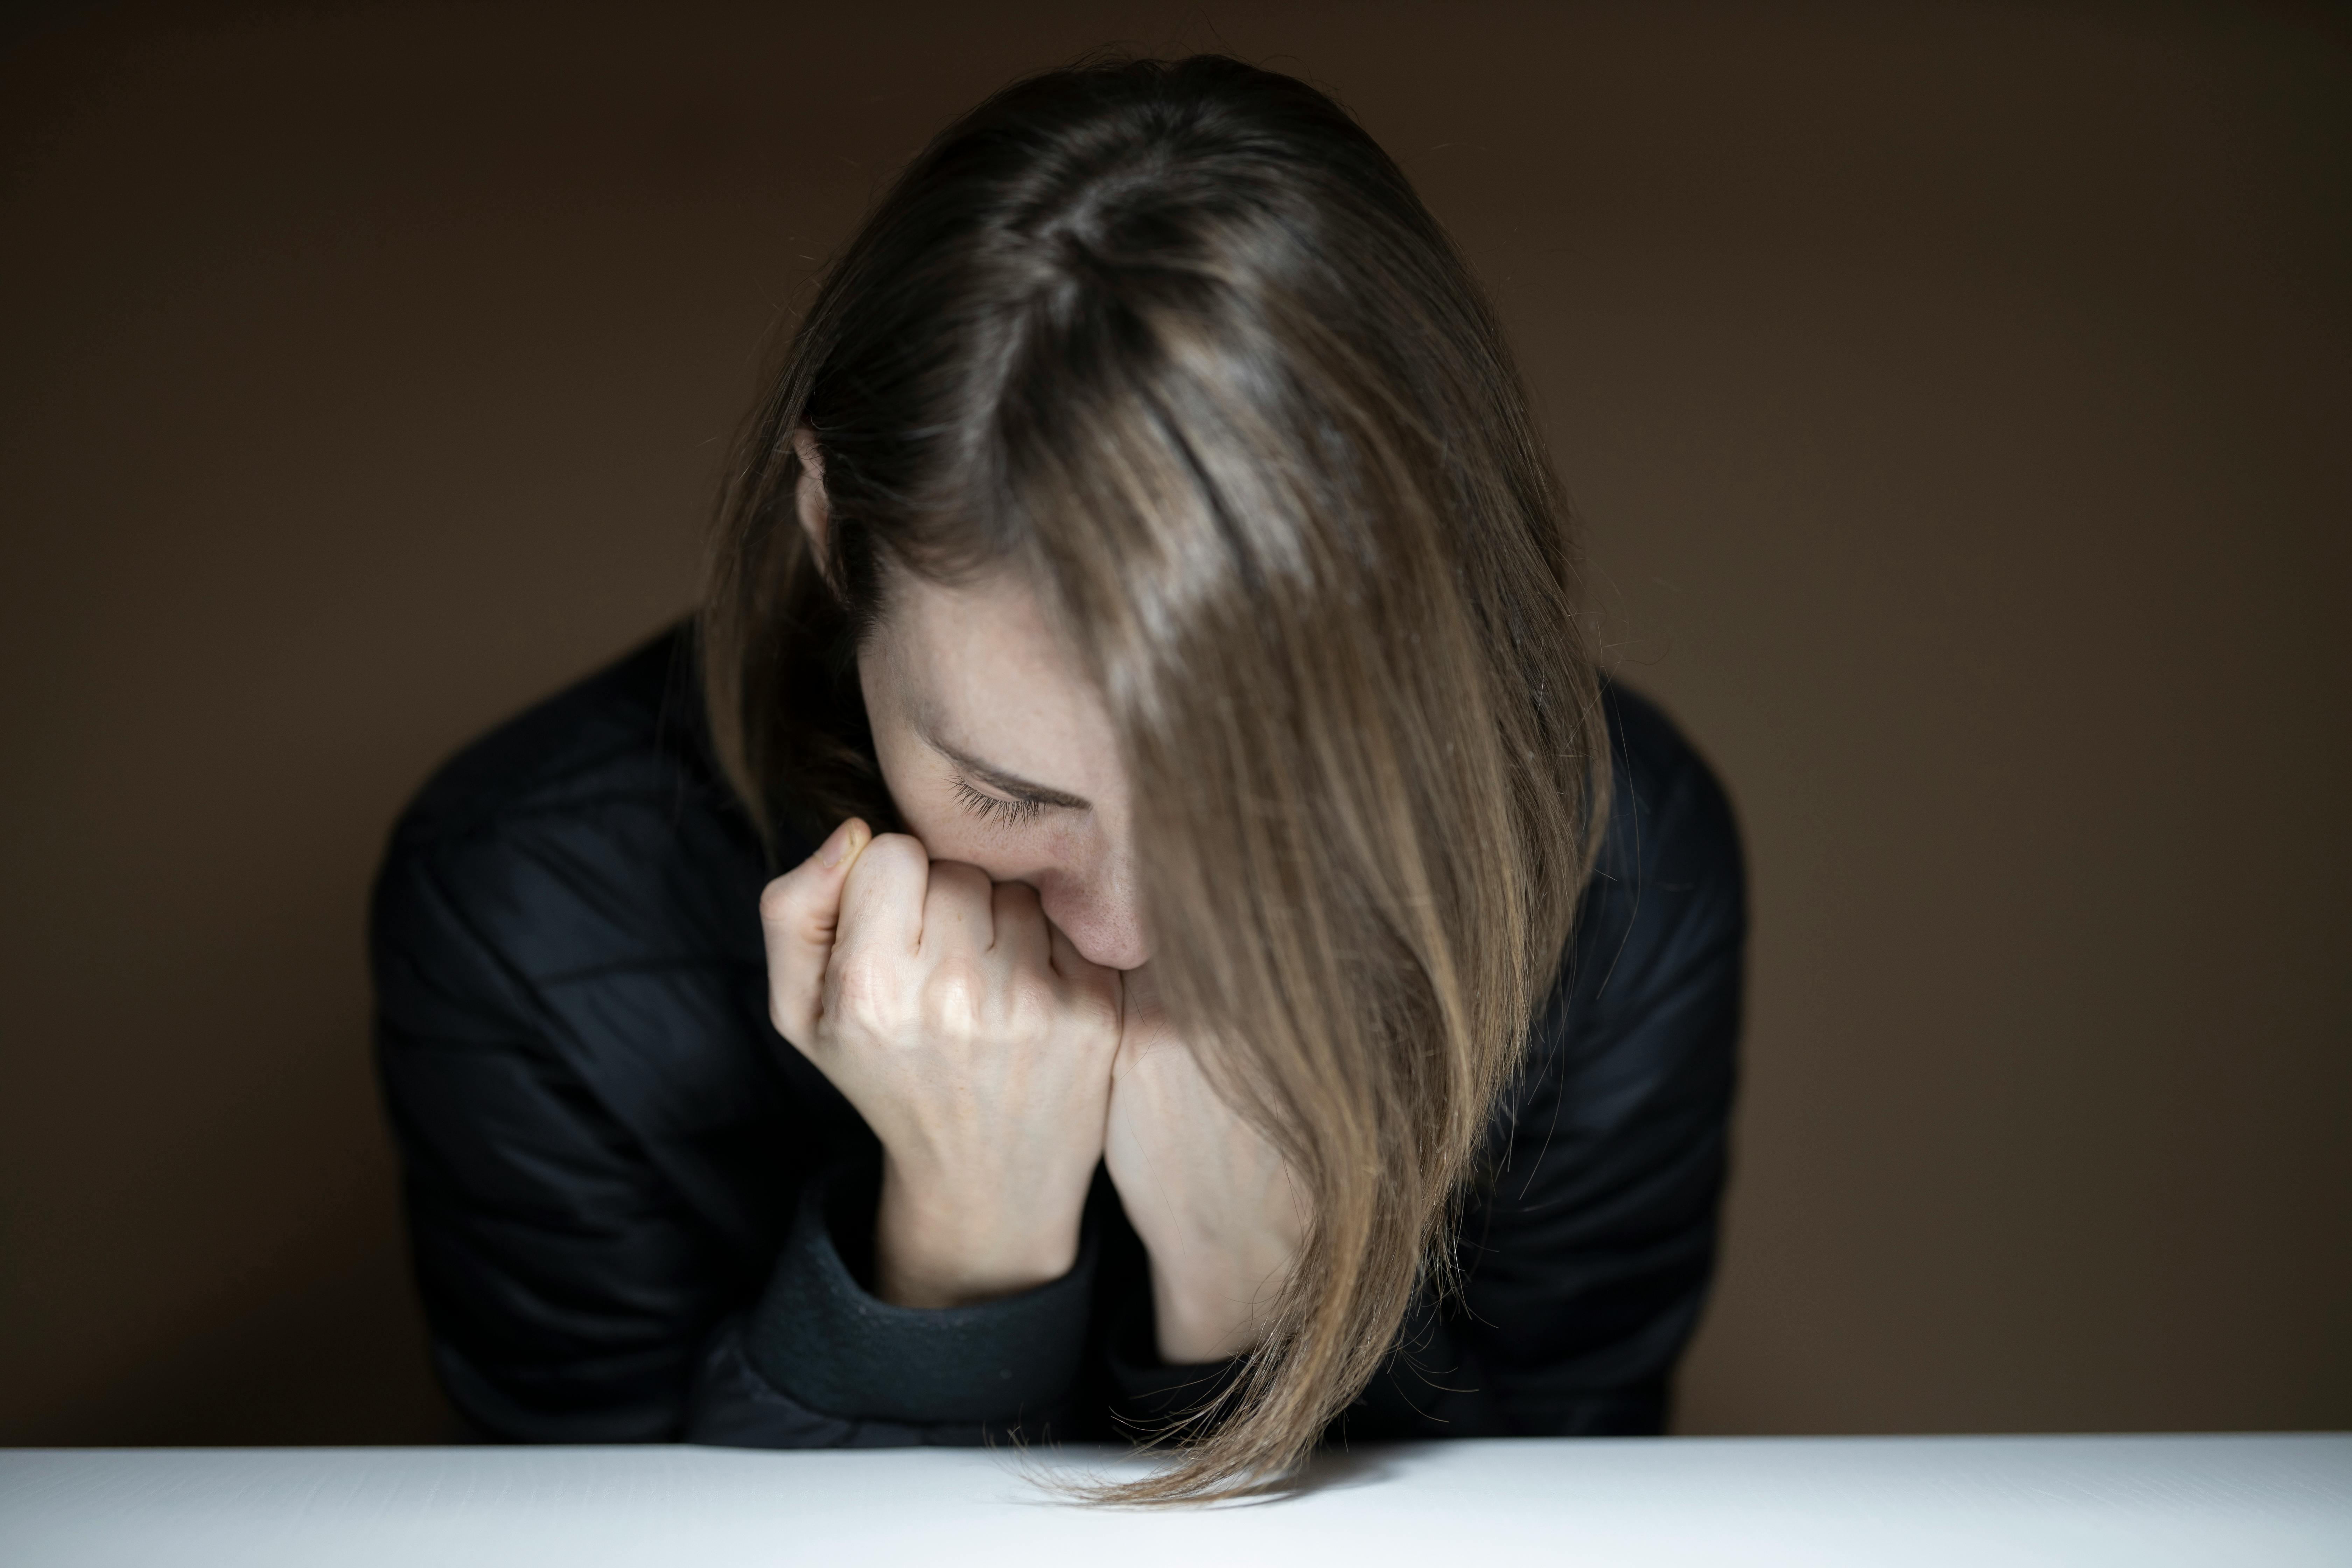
pixel 1958 398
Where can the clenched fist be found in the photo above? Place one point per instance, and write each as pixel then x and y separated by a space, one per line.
pixel 1218 1207
pixel 972 1036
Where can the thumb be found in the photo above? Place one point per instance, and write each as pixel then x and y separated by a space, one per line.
pixel 798 912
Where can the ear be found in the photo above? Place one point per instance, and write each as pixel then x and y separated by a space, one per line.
pixel 816 516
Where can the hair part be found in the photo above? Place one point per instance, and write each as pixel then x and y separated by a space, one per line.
pixel 1178 341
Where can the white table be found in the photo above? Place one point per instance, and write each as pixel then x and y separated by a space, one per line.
pixel 2142 1501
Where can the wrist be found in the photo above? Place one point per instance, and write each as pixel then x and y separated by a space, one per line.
pixel 939 1244
pixel 1197 1319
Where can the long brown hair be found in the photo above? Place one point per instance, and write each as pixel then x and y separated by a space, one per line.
pixel 1178 341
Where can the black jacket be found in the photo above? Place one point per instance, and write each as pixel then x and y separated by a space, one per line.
pixel 624 1190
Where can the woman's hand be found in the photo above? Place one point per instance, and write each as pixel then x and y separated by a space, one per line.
pixel 1215 1205
pixel 973 1037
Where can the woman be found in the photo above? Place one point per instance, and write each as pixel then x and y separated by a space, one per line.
pixel 1237 974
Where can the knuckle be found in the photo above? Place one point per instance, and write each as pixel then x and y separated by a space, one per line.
pixel 777 899
pixel 893 863
pixel 1032 1004
pixel 956 877
pixel 862 987
pixel 895 855
pixel 956 999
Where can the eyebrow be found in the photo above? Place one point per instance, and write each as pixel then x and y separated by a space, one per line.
pixel 988 773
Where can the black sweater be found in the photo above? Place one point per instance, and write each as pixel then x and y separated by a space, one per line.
pixel 637 1214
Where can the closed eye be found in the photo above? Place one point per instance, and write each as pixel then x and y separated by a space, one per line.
pixel 997 808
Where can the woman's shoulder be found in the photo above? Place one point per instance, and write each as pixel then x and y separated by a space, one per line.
pixel 590 828
pixel 1668 814
pixel 1664 918
pixel 570 987
pixel 618 729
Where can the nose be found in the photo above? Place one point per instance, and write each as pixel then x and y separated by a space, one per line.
pixel 1101 914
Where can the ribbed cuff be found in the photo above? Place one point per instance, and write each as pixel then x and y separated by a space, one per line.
pixel 820 1338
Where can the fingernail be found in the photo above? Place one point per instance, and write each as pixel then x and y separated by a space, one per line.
pixel 845 838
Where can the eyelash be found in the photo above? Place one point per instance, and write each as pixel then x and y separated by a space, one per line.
pixel 990 807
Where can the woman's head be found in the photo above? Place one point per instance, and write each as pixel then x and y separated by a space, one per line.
pixel 995 747
pixel 1162 453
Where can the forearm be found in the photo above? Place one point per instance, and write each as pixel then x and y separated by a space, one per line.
pixel 1213 1295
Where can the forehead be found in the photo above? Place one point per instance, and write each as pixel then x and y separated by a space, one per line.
pixel 982 668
